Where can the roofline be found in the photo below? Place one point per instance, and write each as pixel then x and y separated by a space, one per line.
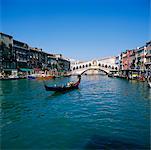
pixel 6 34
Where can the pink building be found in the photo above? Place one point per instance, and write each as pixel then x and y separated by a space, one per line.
pixel 128 59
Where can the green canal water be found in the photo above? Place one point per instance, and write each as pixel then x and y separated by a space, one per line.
pixel 103 113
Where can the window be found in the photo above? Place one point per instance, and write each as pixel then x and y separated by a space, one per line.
pixel 8 65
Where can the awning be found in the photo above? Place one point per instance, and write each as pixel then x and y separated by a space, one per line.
pixel 25 69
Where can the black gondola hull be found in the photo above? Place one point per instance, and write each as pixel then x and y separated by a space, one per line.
pixel 60 89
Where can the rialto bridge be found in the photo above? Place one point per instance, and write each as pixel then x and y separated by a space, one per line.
pixel 105 65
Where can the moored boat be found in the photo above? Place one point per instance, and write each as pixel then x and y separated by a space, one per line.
pixel 32 76
pixel 45 77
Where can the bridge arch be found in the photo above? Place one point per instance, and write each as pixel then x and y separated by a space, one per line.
pixel 94 69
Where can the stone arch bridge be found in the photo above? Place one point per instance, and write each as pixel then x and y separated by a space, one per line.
pixel 82 67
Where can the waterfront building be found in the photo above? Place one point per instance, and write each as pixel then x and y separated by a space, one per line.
pixel 34 58
pixel 128 60
pixel 136 61
pixel 22 54
pixel 132 59
pixel 123 61
pixel 63 63
pixel 148 56
pixel 140 55
pixel 17 56
pixel 51 61
pixel 51 64
pixel 118 61
pixel 7 55
pixel 127 63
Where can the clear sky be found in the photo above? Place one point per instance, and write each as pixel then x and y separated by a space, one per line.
pixel 79 29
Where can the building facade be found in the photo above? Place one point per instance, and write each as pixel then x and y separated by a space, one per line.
pixel 128 60
pixel 22 54
pixel 148 56
pixel 136 60
pixel 140 54
pixel 7 54
pixel 18 56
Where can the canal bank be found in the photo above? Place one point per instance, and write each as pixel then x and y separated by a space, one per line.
pixel 104 112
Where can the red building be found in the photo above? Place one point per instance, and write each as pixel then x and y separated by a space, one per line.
pixel 128 59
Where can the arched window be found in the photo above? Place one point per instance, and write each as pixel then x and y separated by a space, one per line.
pixel 80 67
pixel 73 68
pixel 99 64
pixel 83 66
pixel 89 64
pixel 86 65
pixel 102 65
pixel 105 66
pixel 77 67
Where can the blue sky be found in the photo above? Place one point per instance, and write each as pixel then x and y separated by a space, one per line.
pixel 80 29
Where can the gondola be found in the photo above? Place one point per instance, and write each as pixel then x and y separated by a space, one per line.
pixel 64 88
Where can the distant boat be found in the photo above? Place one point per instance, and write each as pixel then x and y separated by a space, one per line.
pixel 45 77
pixel 69 86
pixel 32 76
pixel 40 76
pixel 149 81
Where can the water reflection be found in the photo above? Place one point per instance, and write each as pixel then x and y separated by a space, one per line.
pixel 100 142
pixel 54 95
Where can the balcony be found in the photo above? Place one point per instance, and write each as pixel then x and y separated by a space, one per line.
pixel 21 60
pixel 148 63
pixel 148 55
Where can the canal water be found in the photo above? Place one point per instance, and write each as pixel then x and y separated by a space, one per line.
pixel 103 113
